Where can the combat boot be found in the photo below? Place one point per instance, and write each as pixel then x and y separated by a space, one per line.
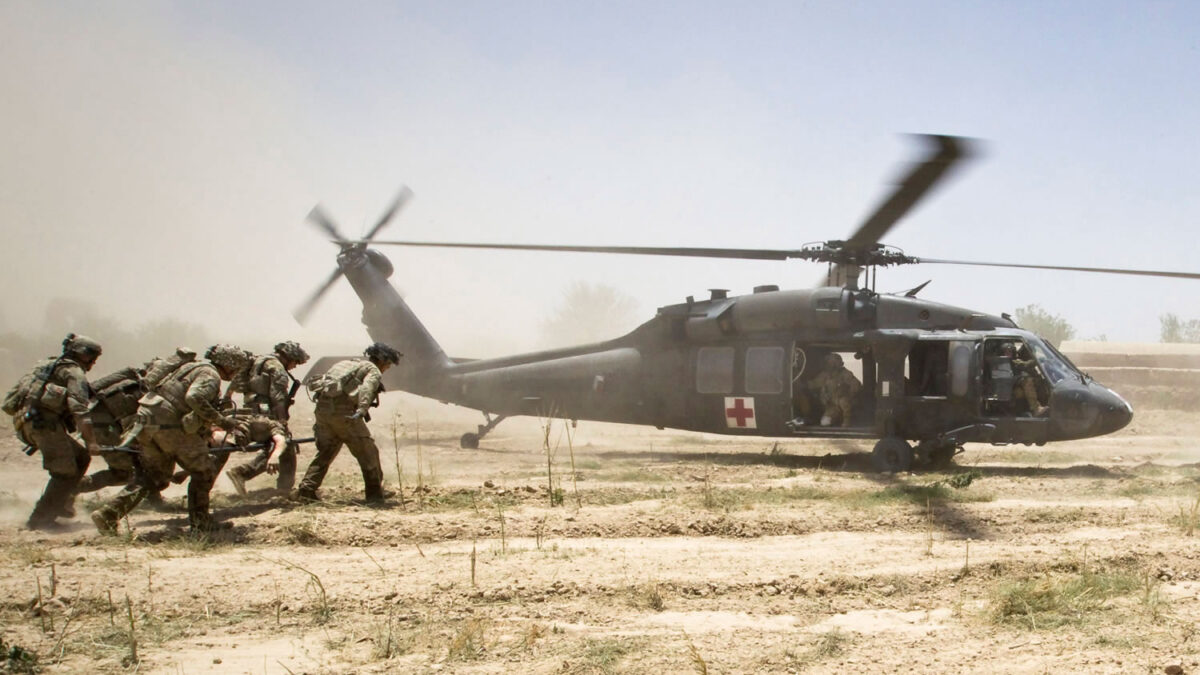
pixel 67 510
pixel 239 483
pixel 105 522
pixel 376 495
pixel 307 496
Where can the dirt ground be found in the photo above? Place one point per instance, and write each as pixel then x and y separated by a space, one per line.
pixel 664 552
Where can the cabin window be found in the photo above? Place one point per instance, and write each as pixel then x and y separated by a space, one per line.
pixel 714 370
pixel 960 368
pixel 764 370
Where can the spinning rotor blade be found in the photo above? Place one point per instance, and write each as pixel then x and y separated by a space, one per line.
pixel 318 217
pixel 1101 270
pixel 401 198
pixel 734 253
pixel 301 313
pixel 946 152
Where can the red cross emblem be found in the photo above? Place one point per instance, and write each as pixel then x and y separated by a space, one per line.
pixel 739 413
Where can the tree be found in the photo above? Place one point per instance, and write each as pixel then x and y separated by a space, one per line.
pixel 1051 327
pixel 588 313
pixel 1175 329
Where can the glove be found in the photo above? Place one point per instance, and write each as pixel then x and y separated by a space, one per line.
pixel 273 468
pixel 227 422
pixel 358 415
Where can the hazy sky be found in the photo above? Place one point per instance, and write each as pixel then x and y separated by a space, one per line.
pixel 159 158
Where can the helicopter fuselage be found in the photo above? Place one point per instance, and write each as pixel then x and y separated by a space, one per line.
pixel 738 365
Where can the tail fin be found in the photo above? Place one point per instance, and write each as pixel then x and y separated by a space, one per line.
pixel 389 320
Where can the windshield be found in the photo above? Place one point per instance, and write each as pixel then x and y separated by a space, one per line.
pixel 1056 366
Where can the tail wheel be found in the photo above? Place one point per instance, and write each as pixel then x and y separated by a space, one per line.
pixel 469 441
pixel 892 455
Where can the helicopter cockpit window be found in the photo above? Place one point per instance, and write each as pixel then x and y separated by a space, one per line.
pixel 1055 365
pixel 764 370
pixel 714 370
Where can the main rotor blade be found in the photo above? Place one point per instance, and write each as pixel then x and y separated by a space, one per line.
pixel 318 217
pixel 1065 268
pixel 734 253
pixel 945 152
pixel 403 196
pixel 302 312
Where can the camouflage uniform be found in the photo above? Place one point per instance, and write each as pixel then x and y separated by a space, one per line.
pixel 176 421
pixel 341 420
pixel 113 412
pixel 265 388
pixel 49 414
pixel 836 388
pixel 1025 382
pixel 256 429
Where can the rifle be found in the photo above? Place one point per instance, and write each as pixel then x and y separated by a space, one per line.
pixel 254 447
pixel 180 476
pixel 29 449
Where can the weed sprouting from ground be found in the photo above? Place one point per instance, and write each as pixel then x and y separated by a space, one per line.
pixel 468 641
pixel 1056 599
pixel 828 645
pixel 1188 519
pixel 321 609
pixel 647 596
pixel 600 656
pixel 17 659
pixel 304 533
pixel 694 654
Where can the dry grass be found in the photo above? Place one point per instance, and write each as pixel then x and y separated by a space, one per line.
pixel 467 644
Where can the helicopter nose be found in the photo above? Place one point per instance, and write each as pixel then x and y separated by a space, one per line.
pixel 1115 412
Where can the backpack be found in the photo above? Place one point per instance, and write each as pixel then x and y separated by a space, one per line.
pixel 35 388
pixel 14 400
pixel 159 369
pixel 340 380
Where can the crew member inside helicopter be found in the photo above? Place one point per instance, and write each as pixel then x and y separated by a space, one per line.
pixel 1014 381
pixel 1027 380
pixel 835 390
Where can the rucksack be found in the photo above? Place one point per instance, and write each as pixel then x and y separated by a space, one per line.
pixel 159 369
pixel 35 389
pixel 340 380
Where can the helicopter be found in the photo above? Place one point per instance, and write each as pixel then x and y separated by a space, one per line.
pixel 933 377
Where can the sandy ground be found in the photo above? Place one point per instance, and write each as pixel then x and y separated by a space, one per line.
pixel 669 552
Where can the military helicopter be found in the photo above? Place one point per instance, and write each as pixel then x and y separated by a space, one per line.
pixel 933 376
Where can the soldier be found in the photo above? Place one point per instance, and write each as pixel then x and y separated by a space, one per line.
pixel 57 402
pixel 114 412
pixel 344 394
pixel 836 388
pixel 174 424
pixel 269 388
pixel 254 429
pixel 1026 377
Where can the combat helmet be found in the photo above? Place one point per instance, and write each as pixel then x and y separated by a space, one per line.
pixel 833 359
pixel 229 357
pixel 292 351
pixel 382 353
pixel 81 346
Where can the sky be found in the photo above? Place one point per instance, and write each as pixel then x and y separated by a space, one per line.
pixel 159 158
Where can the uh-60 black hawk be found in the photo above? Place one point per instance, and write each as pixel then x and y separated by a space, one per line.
pixel 933 374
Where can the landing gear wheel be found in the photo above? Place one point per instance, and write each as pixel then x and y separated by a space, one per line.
pixel 935 455
pixel 892 455
pixel 940 457
pixel 469 441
